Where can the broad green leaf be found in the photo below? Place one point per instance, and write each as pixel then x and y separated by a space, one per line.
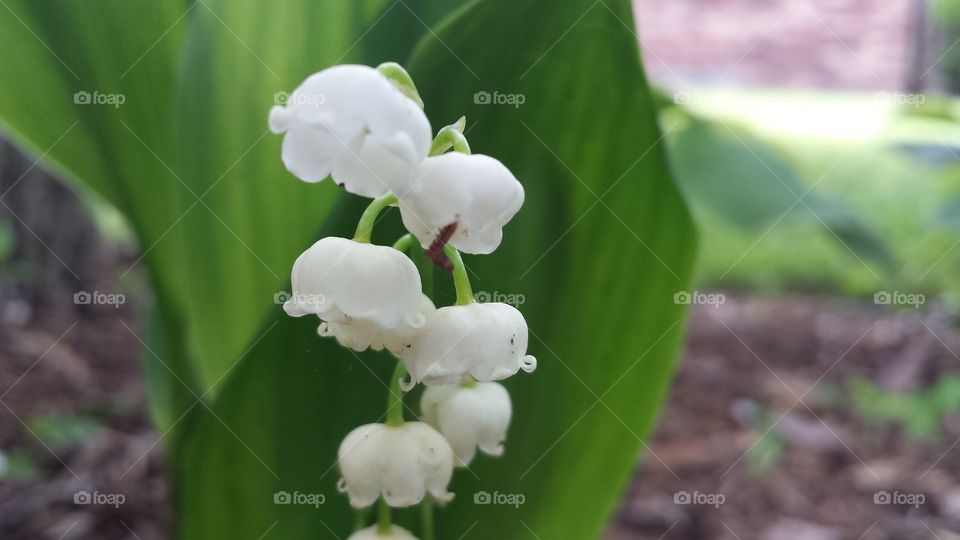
pixel 64 64
pixel 603 243
pixel 254 217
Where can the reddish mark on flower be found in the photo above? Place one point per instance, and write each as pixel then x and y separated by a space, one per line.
pixel 435 251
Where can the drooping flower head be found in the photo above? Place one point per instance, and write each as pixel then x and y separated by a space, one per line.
pixel 469 416
pixel 399 463
pixel 341 280
pixel 352 123
pixel 474 193
pixel 487 341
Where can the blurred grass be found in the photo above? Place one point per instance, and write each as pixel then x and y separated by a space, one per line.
pixel 894 161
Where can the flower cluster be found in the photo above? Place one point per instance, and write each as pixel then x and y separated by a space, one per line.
pixel 365 129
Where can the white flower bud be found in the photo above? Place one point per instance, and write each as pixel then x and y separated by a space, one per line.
pixel 360 334
pixel 399 463
pixel 353 124
pixel 475 192
pixel 487 341
pixel 373 533
pixel 342 280
pixel 469 416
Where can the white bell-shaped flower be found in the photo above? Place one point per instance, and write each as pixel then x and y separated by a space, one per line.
pixel 362 334
pixel 487 341
pixel 353 124
pixel 474 193
pixel 373 533
pixel 399 463
pixel 342 280
pixel 469 416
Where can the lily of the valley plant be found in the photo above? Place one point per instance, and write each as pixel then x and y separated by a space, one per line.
pixel 365 129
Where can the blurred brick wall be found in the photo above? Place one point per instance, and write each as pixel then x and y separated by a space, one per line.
pixel 835 44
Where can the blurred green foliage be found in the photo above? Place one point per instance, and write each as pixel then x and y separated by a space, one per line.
pixel 919 413
pixel 61 432
pixel 885 178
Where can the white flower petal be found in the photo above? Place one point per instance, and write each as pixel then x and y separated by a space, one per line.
pixel 475 191
pixel 488 341
pixel 372 533
pixel 469 416
pixel 339 280
pixel 353 121
pixel 300 155
pixel 401 464
pixel 360 334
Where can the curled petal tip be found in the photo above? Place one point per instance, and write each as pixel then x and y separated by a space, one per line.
pixel 528 363
pixel 342 485
pixel 407 385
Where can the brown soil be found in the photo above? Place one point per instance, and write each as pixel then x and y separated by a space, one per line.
pixel 789 468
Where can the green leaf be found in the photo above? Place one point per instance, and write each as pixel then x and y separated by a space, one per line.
pixel 603 243
pixel 244 217
pixel 64 62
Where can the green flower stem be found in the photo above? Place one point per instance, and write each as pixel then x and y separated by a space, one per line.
pixel 425 266
pixel 402 79
pixel 451 137
pixel 403 243
pixel 395 397
pixel 460 278
pixel 426 519
pixel 369 217
pixel 383 517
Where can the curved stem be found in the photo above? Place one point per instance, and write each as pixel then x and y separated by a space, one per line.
pixel 395 397
pixel 383 517
pixel 403 243
pixel 460 278
pixel 369 217
pixel 451 137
